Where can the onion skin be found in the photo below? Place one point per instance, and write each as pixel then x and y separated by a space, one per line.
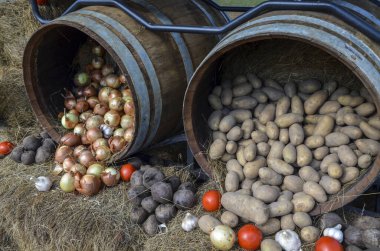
pixel 87 185
pixel 95 169
pixel 102 153
pixel 101 109
pixel 70 139
pixel 84 116
pixel 79 129
pixel 86 158
pixel 94 122
pixel 116 104
pixel 68 163
pixel 113 81
pixel 75 112
pixel 128 135
pixel 93 101
pixel 69 120
pixel 116 143
pixel 78 168
pixel 78 150
pixel 129 107
pixel 114 94
pixel 223 237
pixel 70 103
pixel 110 177
pixel 94 134
pixel 85 140
pixel 104 94
pixel 67 183
pixel 119 132
pixel 122 79
pixel 82 106
pixel 126 93
pixel 89 91
pixel 127 121
pixel 62 153
pixel 99 142
pixel 112 118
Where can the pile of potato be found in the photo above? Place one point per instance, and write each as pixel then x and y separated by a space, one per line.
pixel 289 147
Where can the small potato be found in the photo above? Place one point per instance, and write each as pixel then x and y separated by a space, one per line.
pixel 369 131
pixel 365 161
pixel 320 152
pixel 260 96
pixel 365 109
pixel 285 195
pixel 231 147
pixel 347 156
pixel 297 105
pixel 150 226
pixel 289 154
pixel 239 79
pixel 280 208
pixel 310 234
pixel 235 134
pixel 368 146
pixel 272 83
pixel 207 223
pixel 269 177
pixel 226 157
pixel 259 108
pixel 244 191
pixel 358 153
pixel 349 174
pixel 313 119
pixel 309 86
pixel 309 129
pixel 287 222
pixel 250 152
pixel 258 137
pixel 329 107
pixel 266 194
pixel 336 139
pixel 288 119
pixel 331 158
pixel 304 155
pixel 267 114
pixel 296 134
pixel 334 170
pixel 231 182
pixel 284 136
pixel 315 190
pixel 219 135
pixel 307 173
pixel 280 166
pixel 217 90
pixel 227 123
pixel 303 203
pixel 244 102
pixel 230 219
pixel 340 115
pixel 245 142
pixel 315 101
pixel 276 150
pixel 272 93
pixel 330 86
pixel 215 102
pixel 217 149
pixel 247 128
pixel 303 96
pixel 254 80
pixel 259 127
pixel 242 89
pixel 251 169
pixel 282 106
pixel 348 100
pixel 256 185
pixel 272 226
pixel 214 120
pixel 270 245
pixel 165 212
pixel 315 141
pixel 293 183
pixel 324 126
pixel 339 92
pixel 352 119
pixel 272 130
pixel 290 89
pixel 246 184
pixel 233 165
pixel 240 155
pixel 316 164
pixel 241 115
pixel 263 149
pixel 330 185
pixel 302 219
pixel 226 96
pixel 374 122
pixel 352 132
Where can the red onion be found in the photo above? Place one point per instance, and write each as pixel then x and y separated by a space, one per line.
pixel 81 79
pixel 128 135
pixel 82 106
pixel 107 69
pixel 102 153
pixel 68 163
pixel 86 158
pixel 93 134
pixel 97 62
pixel 89 91
pixel 104 94
pixel 96 76
pixel 78 150
pixel 93 101
pixel 101 109
pixel 98 50
pixel 113 81
pixel 70 103
pixel 112 118
pixel 116 143
pixel 62 153
pixel 87 185
pixel 69 120
pixel 94 122
pixel 127 121
pixel 70 139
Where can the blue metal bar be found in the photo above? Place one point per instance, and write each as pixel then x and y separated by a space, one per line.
pixel 322 6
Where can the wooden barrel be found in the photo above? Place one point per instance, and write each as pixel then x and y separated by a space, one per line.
pixel 286 45
pixel 158 65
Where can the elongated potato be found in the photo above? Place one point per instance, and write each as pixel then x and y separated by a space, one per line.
pixel 309 86
pixel 266 194
pixel 297 105
pixel 250 152
pixel 226 96
pixel 231 147
pixel 287 222
pixel 352 132
pixel 227 123
pixel 302 219
pixel 304 155
pixel 263 149
pixel 330 185
pixel 289 154
pixel 365 109
pixel 315 190
pixel 303 202
pixel 364 161
pixel 307 173
pixel 215 102
pixel 272 130
pixel 349 174
pixel 226 157
pixel 331 158
pixel 315 101
pixel 233 165
pixel 272 93
pixel 329 107
pixel 340 115
pixel 348 100
pixel 369 131
pixel 309 129
pixel 267 114
pixel 288 119
pixel 244 102
pixel 207 223
pixel 339 92
pixel 231 183
pixel 259 127
pixel 258 137
pixel 313 119
pixel 272 226
pixel 259 108
pixel 282 106
pixel 276 150
pixel 214 120
pixel 293 183
pixel 335 170
pixel 280 166
pixel 296 134
pixel 247 128
pixel 324 126
pixel 219 135
pixel 254 80
pixel 245 142
pixel 347 156
pixel 290 89
pixel 235 134
pixel 330 86
pixel 246 207
pixel 270 245
pixel 374 122
pixel 242 89
pixel 368 146
pixel 315 141
pixel 320 152
pixel 260 96
pixel 285 195
pixel 336 139
pixel 352 119
pixel 251 169
pixel 269 176
pixel 240 155
pixel 284 136
pixel 217 149
pixel 241 115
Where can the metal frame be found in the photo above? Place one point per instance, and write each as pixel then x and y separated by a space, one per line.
pixel 351 14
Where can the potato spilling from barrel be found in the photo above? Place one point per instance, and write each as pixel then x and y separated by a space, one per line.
pixel 289 146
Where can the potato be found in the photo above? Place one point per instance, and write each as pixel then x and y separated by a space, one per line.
pixel 269 177
pixel 368 146
pixel 259 108
pixel 334 170
pixel 250 152
pixel 229 219
pixel 348 100
pixel 162 192
pixel 207 223
pixel 276 150
pixel 280 208
pixel 329 107
pixel 287 222
pixel 28 157
pixel 296 134
pixel 303 202
pixel 244 191
pixel 288 119
pixel 280 166
pixel 341 113
pixel 313 119
pixel 310 234
pixel 247 128
pixel 226 96
pixel 231 182
pixel 290 89
pixel 218 135
pixel 320 152
pixel 254 80
pixel 365 161
pixel 137 178
pixel 331 158
pixel 263 149
pixel 297 105
pixel 16 154
pixel 217 149
pixel 246 207
pixel 240 155
pixel 270 245
pixel 284 136
pixel 324 126
pixel 272 226
pixel 371 238
pixel 259 127
pixel 244 102
pixel 272 130
pixel 242 89
pixel 233 165
pixel 251 169
pixel 245 142
pixel 136 194
pixel 352 132
pixel 42 155
pixel 267 114
pixel 315 190
pixel 336 139
pixel 226 157
pixel 330 86
pixel 352 119
pixel 309 129
pixel 293 183
pixel 215 102
pixel 316 164
pixel 138 215
pixel 272 83
pixel 285 195
pixel 149 204
pixel 282 106
pixel 330 185
pixel 165 212
pixel 374 122
pixel 226 123
pixel 358 153
pixel 347 156
pixel 217 90
pixel 150 226
pixel 247 184
pixel 241 115
pixel 339 92
pixel 239 79
pixel 315 101
pixel 365 109
pixel 330 220
pixel 214 120
pixel 309 86
pixel 260 96
pixel 304 155
pixel 303 96
pixel 289 154
pixel 235 134
pixel 231 147
pixel 272 93
pixel 256 185
pixel 302 219
pixel 349 174
pixel 307 173
pixel 366 222
pixel 369 131
pixel 266 194
pixel 31 143
pixel 315 141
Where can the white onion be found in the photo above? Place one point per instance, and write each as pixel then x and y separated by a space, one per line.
pixel 223 237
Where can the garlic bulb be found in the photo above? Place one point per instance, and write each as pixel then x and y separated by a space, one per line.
pixel 106 130
pixel 288 240
pixel 42 183
pixel 334 232
pixel 189 222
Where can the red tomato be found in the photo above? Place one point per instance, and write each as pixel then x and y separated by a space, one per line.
pixel 326 243
pixel 249 237
pixel 42 2
pixel 6 147
pixel 211 200
pixel 126 172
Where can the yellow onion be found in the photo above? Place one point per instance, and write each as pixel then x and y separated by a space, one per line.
pixel 73 111
pixel 94 122
pixel 123 79
pixel 104 94
pixel 70 139
pixel 107 69
pixel 81 79
pixel 95 169
pixel 116 104
pixel 82 106
pixel 68 163
pixel 97 62
pixel 127 121
pixel 110 176
pixel 96 75
pixel 78 150
pixel 98 50
pixel 126 93
pixel 101 109
pixel 62 153
pixel 93 101
pixel 79 129
pixel 70 103
pixel 112 81
pixel 87 185
pixel 129 106
pixel 128 135
pixel 103 82
pixel 86 158
pixel 85 140
pixel 116 143
pixel 102 153
pixel 112 118
pixel 69 120
pixel 93 134
pixel 78 168
pixel 67 183
pixel 89 91
pixel 85 115
pixel 99 142
pixel 119 132
pixel 114 94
